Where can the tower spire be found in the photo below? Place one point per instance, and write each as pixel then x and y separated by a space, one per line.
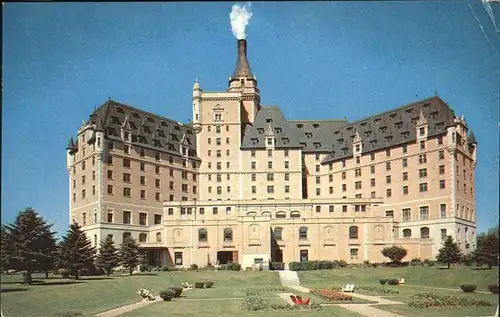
pixel 242 65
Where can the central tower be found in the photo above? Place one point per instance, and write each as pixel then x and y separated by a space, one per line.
pixel 244 81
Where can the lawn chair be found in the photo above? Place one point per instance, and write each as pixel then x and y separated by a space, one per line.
pixel 307 301
pixel 401 281
pixel 349 288
pixel 294 299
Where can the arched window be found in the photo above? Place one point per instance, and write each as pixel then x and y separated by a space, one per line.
pixel 278 233
pixel 280 214
pixel 406 233
pixel 126 235
pixel 158 237
pixel 267 214
pixel 303 233
pixel 251 213
pixel 228 234
pixel 295 214
pixel 143 237
pixel 353 232
pixel 202 235
pixel 424 233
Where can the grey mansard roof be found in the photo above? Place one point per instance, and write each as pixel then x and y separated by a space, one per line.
pixel 384 130
pixel 146 129
pixel 390 128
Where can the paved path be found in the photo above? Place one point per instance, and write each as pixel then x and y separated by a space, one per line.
pixel 124 309
pixel 378 299
pixel 441 288
pixel 368 310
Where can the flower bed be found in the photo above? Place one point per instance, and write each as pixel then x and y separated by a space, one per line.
pixel 253 302
pixel 331 295
pixel 428 300
pixel 377 290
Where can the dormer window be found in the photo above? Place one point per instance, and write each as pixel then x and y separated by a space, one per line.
pixel 135 115
pixel 393 115
pixel 409 110
pixel 269 120
pixel 255 141
pixel 119 110
pixel 368 133
pixel 163 124
pixel 285 140
pixel 132 125
pixel 377 120
pixel 398 125
pixel 383 129
pixel 146 129
pixel 260 130
pixel 277 130
pixel 439 126
pixel 315 125
pixel 115 120
pixel 317 145
pixel 336 132
pixel 242 81
pixel 349 128
pixel 270 141
pixel 309 135
pixel 340 141
pixel 300 126
pixel 177 128
pixel 414 120
pixel 388 139
pixel 151 120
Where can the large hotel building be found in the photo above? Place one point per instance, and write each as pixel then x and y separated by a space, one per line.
pixel 242 183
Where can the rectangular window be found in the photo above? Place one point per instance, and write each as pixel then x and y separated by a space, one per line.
pixel 422 145
pixel 421 131
pixel 405 162
pixel 388 192
pixel 354 254
pixel 126 163
pixel 441 155
pixel 406 214
pixel 422 173
pixel 423 187
pixel 110 216
pixel 318 191
pixel 287 188
pixel 441 169
pixel 439 140
pixel 142 219
pixel 344 208
pixel 388 179
pixel 424 213
pixel 331 208
pixel 372 182
pixel 372 169
pixel 443 234
pixel 442 210
pixel 372 156
pixel 127 217
pixel 373 194
pixel 405 176
pixel 157 196
pixel 287 176
pixel 270 176
pixel 110 189
pixel 357 185
pixel 422 159
pixel 442 184
pixel 270 189
pixel 254 165
pixel 357 172
pixel 143 194
pixel 287 164
pixel 388 166
pixel 178 258
pixel 304 255
pixel 84 219
pixel 388 152
pixel 287 153
pixel 254 189
pixel 405 190
pixel 270 164
pixel 389 213
pixel 126 192
pixel 214 210
pixel 330 189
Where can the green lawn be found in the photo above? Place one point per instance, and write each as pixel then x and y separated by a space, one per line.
pixel 417 280
pixel 93 295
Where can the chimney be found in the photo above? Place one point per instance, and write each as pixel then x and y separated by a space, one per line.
pixel 242 66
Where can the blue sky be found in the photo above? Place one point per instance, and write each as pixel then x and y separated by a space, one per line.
pixel 316 60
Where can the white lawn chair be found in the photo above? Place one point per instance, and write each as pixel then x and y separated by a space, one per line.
pixel 401 280
pixel 349 288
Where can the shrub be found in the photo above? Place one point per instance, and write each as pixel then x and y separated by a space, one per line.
pixel 383 281
pixel 331 295
pixel 378 290
pixel 209 284
pixel 429 262
pixel 375 265
pixel 199 284
pixel 167 295
pixel 68 314
pixel 395 253
pixel 415 262
pixel 166 269
pixel 366 264
pixel 64 273
pixel 342 263
pixel 493 288
pixel 234 266
pixel 177 290
pixel 393 281
pixel 277 266
pixel 432 300
pixel 468 288
pixel 193 267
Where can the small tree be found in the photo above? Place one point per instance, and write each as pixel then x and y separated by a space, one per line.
pixel 395 253
pixel 487 248
pixel 107 257
pixel 129 254
pixel 75 251
pixel 30 240
pixel 6 251
pixel 449 253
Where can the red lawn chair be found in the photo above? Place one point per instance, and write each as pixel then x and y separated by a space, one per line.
pixel 294 300
pixel 302 301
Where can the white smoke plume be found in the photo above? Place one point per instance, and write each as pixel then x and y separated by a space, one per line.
pixel 240 16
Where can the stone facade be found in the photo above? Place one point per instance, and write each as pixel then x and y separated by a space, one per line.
pixel 240 183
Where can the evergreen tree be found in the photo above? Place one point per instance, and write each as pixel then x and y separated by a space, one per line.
pixel 108 256
pixel 75 251
pixel 129 254
pixel 29 237
pixel 487 248
pixel 6 250
pixel 450 252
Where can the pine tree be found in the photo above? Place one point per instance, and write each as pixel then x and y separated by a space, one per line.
pixel 108 256
pixel 6 250
pixel 450 252
pixel 29 238
pixel 487 248
pixel 75 251
pixel 129 254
